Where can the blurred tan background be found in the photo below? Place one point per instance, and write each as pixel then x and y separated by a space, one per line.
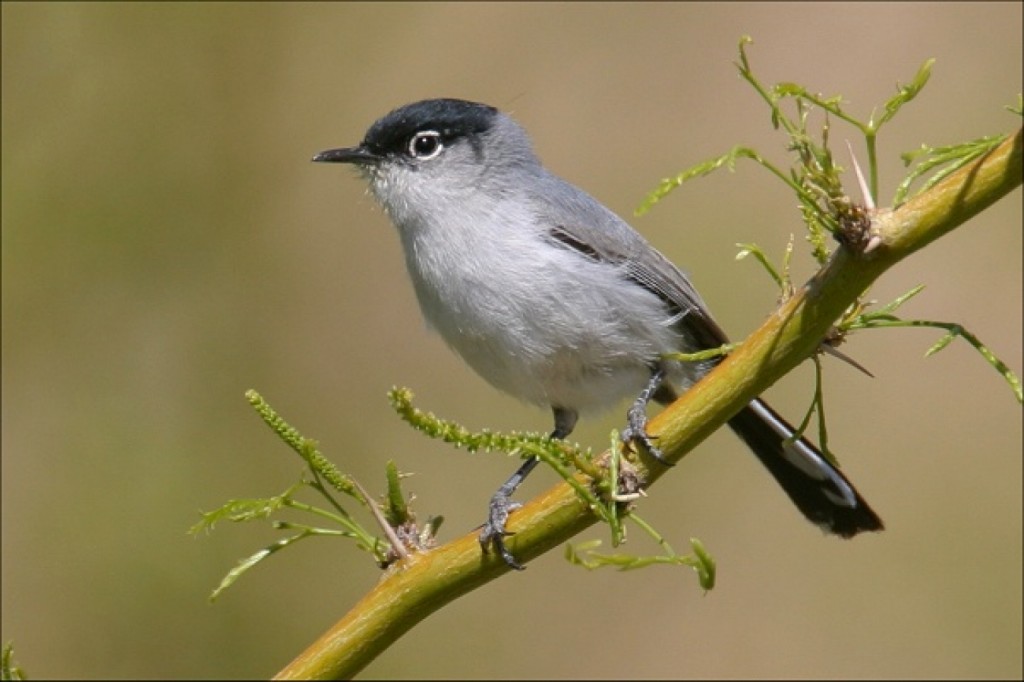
pixel 167 245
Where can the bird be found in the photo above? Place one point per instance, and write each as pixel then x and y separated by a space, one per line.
pixel 554 299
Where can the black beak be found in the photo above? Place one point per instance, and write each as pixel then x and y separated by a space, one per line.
pixel 361 156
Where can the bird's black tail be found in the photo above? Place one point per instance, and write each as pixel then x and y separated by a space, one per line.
pixel 823 494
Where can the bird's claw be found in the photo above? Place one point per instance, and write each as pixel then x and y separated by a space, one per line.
pixel 636 432
pixel 636 418
pixel 494 533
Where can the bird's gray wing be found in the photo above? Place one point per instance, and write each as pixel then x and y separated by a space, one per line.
pixel 590 229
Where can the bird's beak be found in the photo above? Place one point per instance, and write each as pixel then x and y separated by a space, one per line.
pixel 360 156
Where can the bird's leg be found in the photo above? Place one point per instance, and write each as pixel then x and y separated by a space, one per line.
pixel 501 505
pixel 636 418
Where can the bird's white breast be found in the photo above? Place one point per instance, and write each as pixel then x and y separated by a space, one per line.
pixel 536 320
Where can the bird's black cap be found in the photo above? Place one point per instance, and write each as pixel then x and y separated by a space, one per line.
pixel 451 118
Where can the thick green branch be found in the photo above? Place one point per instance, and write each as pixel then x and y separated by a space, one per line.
pixel 413 589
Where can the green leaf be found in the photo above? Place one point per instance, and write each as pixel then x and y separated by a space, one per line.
pixel 947 160
pixel 907 92
pixel 750 249
pixel 705 565
pixel 946 339
pixel 8 669
pixel 242 510
pixel 667 185
pixel 247 563
pixel 396 511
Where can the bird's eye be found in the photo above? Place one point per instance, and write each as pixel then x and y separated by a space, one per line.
pixel 425 145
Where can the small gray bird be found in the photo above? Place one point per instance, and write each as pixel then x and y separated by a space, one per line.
pixel 553 298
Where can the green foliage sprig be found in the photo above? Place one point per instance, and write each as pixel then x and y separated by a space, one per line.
pixel 825 206
pixel 585 554
pixel 397 521
pixel 943 161
pixel 8 669
pixel 885 317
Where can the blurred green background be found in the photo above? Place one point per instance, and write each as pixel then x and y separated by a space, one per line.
pixel 167 245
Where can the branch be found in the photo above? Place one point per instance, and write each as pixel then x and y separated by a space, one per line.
pixel 413 589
